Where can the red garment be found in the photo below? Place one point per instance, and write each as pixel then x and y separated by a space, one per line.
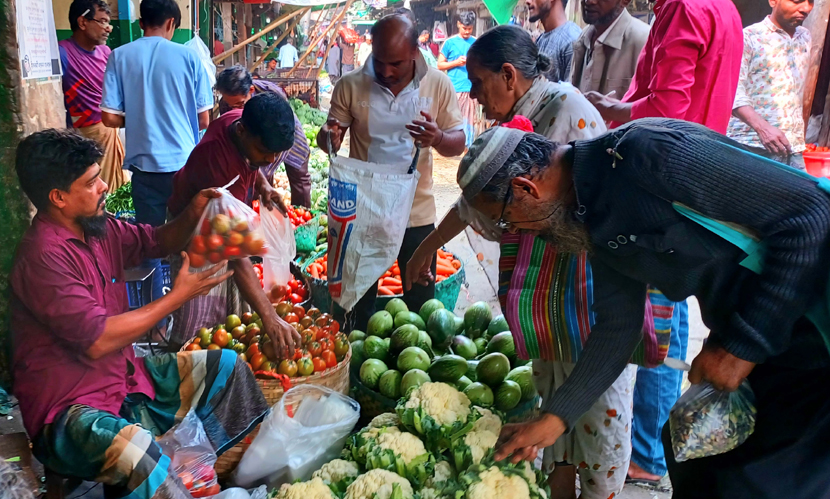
pixel 63 291
pixel 214 162
pixel 690 65
pixel 434 48
pixel 519 122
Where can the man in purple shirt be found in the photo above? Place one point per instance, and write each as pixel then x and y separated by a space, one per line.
pixel 84 59
pixel 91 408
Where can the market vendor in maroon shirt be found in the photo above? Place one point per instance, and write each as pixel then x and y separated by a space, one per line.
pixel 75 373
pixel 238 144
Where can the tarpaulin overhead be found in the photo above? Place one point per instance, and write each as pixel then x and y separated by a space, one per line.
pixel 502 10
pixel 349 34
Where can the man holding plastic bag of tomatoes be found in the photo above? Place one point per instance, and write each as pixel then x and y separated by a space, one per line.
pixel 393 104
pixel 91 407
pixel 237 144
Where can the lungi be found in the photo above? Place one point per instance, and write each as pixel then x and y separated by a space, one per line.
pixel 113 161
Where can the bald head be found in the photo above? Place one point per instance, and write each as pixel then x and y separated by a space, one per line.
pixel 395 30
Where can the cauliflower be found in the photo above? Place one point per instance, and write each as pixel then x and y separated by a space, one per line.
pixel 338 474
pixel 439 412
pixel 488 422
pixel 385 419
pixel 429 493
pixel 493 484
pixel 313 489
pixel 401 452
pixel 443 472
pixel 362 442
pixel 379 484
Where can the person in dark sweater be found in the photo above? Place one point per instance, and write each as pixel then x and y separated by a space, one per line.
pixel 613 196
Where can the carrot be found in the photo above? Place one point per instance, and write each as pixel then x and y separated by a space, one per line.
pixel 313 269
pixel 387 274
pixel 385 291
pixel 395 289
pixel 391 281
pixel 456 264
pixel 442 253
pixel 446 268
pixel 440 278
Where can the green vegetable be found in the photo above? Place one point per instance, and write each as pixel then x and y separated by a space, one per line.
pixel 508 395
pixel 371 371
pixel 503 342
pixel 448 368
pixel 380 324
pixel 390 385
pixel 479 394
pixel 477 318
pixel 356 336
pixel 413 358
pixel 395 307
pixel 121 199
pixel 404 337
pixel 407 317
pixel 429 307
pixel 464 347
pixel 497 325
pixel 413 379
pixel 463 382
pixel 523 376
pixel 441 327
pixel 492 369
pixel 375 348
pixel 358 355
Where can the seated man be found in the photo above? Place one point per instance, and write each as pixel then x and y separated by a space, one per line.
pixel 238 144
pixel 91 408
pixel 236 85
pixel 635 199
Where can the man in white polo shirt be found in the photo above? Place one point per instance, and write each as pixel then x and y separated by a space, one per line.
pixel 393 102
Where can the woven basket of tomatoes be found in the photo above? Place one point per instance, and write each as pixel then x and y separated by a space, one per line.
pixel 323 359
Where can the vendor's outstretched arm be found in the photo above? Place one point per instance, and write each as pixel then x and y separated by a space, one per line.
pixel 122 330
pixel 175 234
pixel 418 268
pixel 281 333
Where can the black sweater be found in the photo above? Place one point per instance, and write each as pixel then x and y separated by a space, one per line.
pixel 640 239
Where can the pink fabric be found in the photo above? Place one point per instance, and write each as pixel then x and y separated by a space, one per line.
pixel 63 290
pixel 690 65
pixel 519 122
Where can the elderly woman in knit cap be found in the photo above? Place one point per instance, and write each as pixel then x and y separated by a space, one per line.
pixel 548 300
pixel 658 201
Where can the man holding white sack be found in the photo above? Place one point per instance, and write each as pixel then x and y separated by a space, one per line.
pixel 394 103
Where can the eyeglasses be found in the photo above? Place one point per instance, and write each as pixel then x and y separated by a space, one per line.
pixel 101 22
pixel 503 224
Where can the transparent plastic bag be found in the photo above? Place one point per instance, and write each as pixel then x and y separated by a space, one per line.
pixel 228 230
pixel 199 46
pixel 307 428
pixel 706 422
pixel 276 265
pixel 191 456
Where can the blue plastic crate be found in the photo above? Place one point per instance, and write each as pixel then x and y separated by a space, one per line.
pixel 166 275
pixel 139 293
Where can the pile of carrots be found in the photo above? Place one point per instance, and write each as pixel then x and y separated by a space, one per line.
pixel 390 283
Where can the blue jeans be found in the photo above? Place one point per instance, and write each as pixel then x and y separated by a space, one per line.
pixel 150 194
pixel 655 393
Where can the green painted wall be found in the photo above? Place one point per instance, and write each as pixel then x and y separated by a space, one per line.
pixel 121 31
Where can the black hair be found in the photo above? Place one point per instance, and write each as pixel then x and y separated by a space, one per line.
pixel 401 15
pixel 467 18
pixel 53 159
pixel 532 153
pixel 424 32
pixel 235 80
pixel 509 44
pixel 154 13
pixel 269 117
pixel 78 7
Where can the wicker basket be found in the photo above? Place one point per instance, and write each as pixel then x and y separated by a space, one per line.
pixel 336 378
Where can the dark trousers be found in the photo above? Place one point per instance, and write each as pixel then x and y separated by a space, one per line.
pixel 300 181
pixel 788 455
pixel 150 194
pixel 414 298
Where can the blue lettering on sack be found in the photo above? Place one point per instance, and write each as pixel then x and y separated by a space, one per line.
pixel 342 198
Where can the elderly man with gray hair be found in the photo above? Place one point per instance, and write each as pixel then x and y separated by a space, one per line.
pixel 657 202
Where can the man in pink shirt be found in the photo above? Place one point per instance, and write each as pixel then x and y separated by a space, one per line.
pixel 688 69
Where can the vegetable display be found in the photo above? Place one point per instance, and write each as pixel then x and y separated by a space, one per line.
pixel 438 446
pixel 121 199
pixel 306 114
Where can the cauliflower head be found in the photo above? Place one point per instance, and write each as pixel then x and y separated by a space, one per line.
pixel 488 421
pixel 379 484
pixel 362 442
pixel 312 489
pixel 493 484
pixel 443 472
pixel 438 412
pixel 385 419
pixel 337 470
pixel 403 453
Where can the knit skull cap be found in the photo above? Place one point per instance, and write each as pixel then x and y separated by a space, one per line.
pixel 485 157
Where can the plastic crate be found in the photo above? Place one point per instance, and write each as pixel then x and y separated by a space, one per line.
pixel 166 275
pixel 139 293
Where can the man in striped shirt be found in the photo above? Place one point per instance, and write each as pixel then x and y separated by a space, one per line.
pixel 237 86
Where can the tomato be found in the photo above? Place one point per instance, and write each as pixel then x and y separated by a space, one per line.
pixel 295 298
pixel 267 366
pixel 235 238
pixel 187 479
pixel 335 327
pixel 298 311
pixel 307 322
pixel 196 260
pixel 213 490
pixel 309 336
pixel 214 257
pixel 221 337
pixel 319 364
pixel 291 318
pixel 341 347
pixel 214 241
pixel 315 348
pixel 287 368
pixel 295 284
pixel 214 346
pixel 231 251
pixel 254 243
pixel 255 205
pixel 313 312
pixel 327 344
pixel 322 321
pixel 307 216
pixel 298 354
pixel 252 350
pixel 257 360
pixel 197 245
pixel 193 346
pixel 330 358
pixel 206 228
pixel 305 367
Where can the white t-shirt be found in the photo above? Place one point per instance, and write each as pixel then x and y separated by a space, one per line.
pixel 288 56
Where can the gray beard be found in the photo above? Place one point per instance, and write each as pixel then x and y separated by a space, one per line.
pixel 562 230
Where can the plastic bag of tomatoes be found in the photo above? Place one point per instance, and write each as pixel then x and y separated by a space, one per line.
pixel 191 456
pixel 228 230
pixel 276 265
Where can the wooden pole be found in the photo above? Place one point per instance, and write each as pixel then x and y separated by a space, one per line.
pixel 274 45
pixel 816 22
pixel 325 57
pixel 322 16
pixel 267 29
pixel 313 30
pixel 334 22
